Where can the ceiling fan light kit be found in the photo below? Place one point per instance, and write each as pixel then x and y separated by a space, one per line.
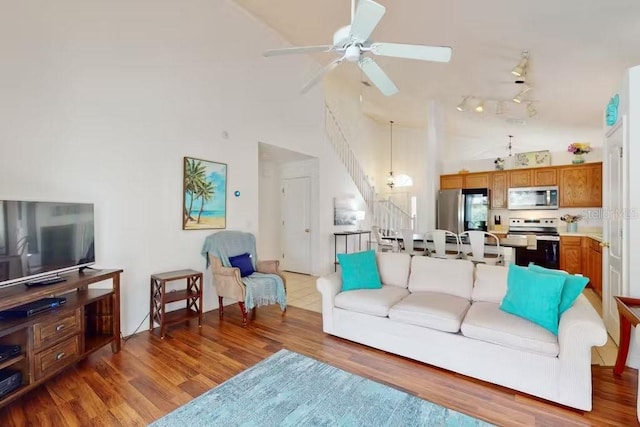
pixel 351 42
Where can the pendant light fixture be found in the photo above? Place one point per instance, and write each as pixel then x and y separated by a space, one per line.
pixel 390 180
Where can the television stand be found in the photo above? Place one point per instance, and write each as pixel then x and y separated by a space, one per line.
pixel 46 281
pixel 55 340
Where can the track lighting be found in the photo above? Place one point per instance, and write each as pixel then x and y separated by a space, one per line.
pixel 518 98
pixel 499 108
pixel 480 107
pixel 463 104
pixel 531 110
pixel 521 69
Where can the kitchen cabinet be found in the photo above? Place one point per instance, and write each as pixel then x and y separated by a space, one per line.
pixel 592 263
pixel 545 176
pixel 499 185
pixel 467 180
pixel 580 185
pixel 571 254
pixel 521 178
pixel 450 182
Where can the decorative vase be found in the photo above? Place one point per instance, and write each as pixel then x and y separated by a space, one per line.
pixel 572 227
pixel 578 159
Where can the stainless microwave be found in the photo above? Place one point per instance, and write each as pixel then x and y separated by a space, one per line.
pixel 522 198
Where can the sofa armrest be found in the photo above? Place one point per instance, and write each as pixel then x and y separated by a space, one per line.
pixel 329 286
pixel 580 329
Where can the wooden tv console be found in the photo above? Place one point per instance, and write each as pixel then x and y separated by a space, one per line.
pixel 56 339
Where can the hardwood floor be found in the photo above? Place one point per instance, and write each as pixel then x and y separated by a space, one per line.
pixel 151 377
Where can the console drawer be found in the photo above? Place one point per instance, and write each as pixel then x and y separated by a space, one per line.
pixel 55 329
pixel 60 355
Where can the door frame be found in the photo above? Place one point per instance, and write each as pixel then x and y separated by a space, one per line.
pixel 622 210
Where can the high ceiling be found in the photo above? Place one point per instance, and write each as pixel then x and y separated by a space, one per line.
pixel 578 52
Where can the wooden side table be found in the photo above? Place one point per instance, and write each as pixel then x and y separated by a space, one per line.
pixel 629 312
pixel 192 294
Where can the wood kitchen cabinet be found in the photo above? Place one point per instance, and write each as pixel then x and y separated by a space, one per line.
pixel 545 176
pixel 580 185
pixel 467 180
pixel 451 182
pixel 521 178
pixel 571 254
pixel 499 185
pixel 592 263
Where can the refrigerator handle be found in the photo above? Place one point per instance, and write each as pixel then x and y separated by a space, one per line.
pixel 461 208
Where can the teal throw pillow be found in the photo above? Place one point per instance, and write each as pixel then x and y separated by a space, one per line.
pixel 573 285
pixel 533 296
pixel 359 271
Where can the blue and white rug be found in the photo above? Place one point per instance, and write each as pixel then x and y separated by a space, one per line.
pixel 288 389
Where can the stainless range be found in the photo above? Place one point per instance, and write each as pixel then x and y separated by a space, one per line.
pixel 543 241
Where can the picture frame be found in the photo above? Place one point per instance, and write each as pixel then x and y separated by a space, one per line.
pixel 204 194
pixel 532 159
pixel 344 211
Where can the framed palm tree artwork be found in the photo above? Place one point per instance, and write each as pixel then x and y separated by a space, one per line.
pixel 204 202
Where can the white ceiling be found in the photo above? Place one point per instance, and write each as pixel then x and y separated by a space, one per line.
pixel 579 50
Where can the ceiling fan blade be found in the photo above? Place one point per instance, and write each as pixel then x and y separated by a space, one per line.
pixel 367 16
pixel 321 74
pixel 294 50
pixel 413 51
pixel 377 76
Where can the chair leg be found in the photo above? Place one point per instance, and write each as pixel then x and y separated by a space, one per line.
pixel 220 306
pixel 244 313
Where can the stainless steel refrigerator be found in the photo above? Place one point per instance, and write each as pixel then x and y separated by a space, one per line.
pixel 463 210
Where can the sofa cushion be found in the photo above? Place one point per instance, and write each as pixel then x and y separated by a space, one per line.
pixel 394 268
pixel 449 276
pixel 243 262
pixel 486 322
pixel 534 296
pixel 573 285
pixel 490 284
pixel 375 302
pixel 359 271
pixel 433 310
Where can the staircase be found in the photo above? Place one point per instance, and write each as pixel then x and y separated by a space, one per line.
pixel 386 214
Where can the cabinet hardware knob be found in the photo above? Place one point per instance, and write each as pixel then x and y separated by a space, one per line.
pixel 60 355
pixel 59 328
pixel 306 230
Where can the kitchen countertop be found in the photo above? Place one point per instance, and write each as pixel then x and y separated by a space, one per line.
pixel 595 234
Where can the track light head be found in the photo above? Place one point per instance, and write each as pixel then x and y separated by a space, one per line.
pixel 531 111
pixel 499 108
pixel 480 107
pixel 518 98
pixel 521 69
pixel 463 104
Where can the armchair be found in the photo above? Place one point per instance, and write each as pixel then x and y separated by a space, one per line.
pixel 267 285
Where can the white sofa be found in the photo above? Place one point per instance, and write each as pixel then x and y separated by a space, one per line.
pixel 446 313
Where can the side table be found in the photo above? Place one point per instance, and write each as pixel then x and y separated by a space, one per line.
pixel 346 235
pixel 160 298
pixel 629 312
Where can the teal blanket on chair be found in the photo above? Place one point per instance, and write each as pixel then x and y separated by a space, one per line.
pixel 262 288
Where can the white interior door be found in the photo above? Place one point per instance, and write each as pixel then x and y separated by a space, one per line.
pixel 613 256
pixel 296 233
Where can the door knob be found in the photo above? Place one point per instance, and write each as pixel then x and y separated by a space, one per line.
pixel 605 244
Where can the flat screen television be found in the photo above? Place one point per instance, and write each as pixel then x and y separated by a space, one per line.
pixel 42 239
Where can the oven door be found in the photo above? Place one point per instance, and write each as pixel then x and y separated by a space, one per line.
pixel 546 254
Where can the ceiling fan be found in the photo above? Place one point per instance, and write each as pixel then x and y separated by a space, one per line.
pixel 352 41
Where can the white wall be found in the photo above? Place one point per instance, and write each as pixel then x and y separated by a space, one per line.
pixel 475 142
pixel 101 101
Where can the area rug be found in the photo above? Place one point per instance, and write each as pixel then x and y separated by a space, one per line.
pixel 288 389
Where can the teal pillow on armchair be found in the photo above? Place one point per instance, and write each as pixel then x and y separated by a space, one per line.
pixel 534 296
pixel 359 271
